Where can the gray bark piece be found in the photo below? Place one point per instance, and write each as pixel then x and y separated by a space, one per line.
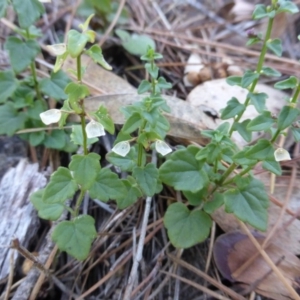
pixel 18 216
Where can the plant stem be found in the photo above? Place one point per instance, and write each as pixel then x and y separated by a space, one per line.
pixel 227 173
pixel 78 203
pixel 78 63
pixel 258 70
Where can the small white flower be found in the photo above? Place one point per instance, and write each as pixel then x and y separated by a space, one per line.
pixel 50 116
pixel 121 148
pixel 162 147
pixel 281 154
pixel 57 49
pixel 94 129
pixel 45 1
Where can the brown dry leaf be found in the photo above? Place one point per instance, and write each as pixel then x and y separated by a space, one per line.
pixel 231 250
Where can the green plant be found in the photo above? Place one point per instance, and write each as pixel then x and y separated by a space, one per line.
pixel 22 96
pixel 200 173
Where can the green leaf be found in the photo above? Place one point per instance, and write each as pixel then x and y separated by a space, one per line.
pixel 76 43
pixel 270 72
pixel 132 123
pixel 289 83
pixel 85 169
pixel 95 53
pixel 3 6
pixel 258 100
pixel 241 158
pixel 163 84
pixel 47 211
pixel 106 186
pixel 37 107
pixel 135 44
pixel 287 116
pixel 233 108
pixel 132 194
pixel 56 139
pixel 75 236
pixel 212 205
pixel 260 12
pixel 126 163
pixel 28 11
pixel 21 53
pixel 234 80
pixel 287 6
pixel 241 128
pixel 144 87
pixel 275 46
pixel 271 165
pixel 36 138
pixel 152 70
pixel 8 85
pixel 55 85
pixel 77 136
pixel 61 187
pixel 103 117
pixel 196 198
pixel 248 78
pixel 261 122
pixel 76 92
pixel 183 171
pixel 296 133
pixel 249 203
pixel 186 228
pixel 146 177
pixel 261 150
pixel 10 119
pixel 59 61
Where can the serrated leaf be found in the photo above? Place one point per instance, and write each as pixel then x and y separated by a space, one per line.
pixel 287 6
pixel 216 202
pixel 47 211
pixel 196 198
pixel 249 203
pixel 76 43
pixel 144 87
pixel 261 122
pixel 132 123
pixel 8 85
pixel 234 80
pixel 248 78
pixel 21 53
pixel 75 236
pixel 135 44
pixel 270 72
pixel 233 108
pixel 186 228
pixel 289 83
pixel 61 187
pixel 261 150
pixel 10 119
pixel 131 195
pixel 107 185
pixel 146 177
pixel 55 85
pixel 183 171
pixel 287 116
pixel 258 100
pixel 241 128
pixel 95 53
pixel 85 169
pixel 260 12
pixel 56 139
pixel 275 46
pixel 28 11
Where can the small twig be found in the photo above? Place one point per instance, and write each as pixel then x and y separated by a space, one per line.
pixel 211 246
pixel 11 275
